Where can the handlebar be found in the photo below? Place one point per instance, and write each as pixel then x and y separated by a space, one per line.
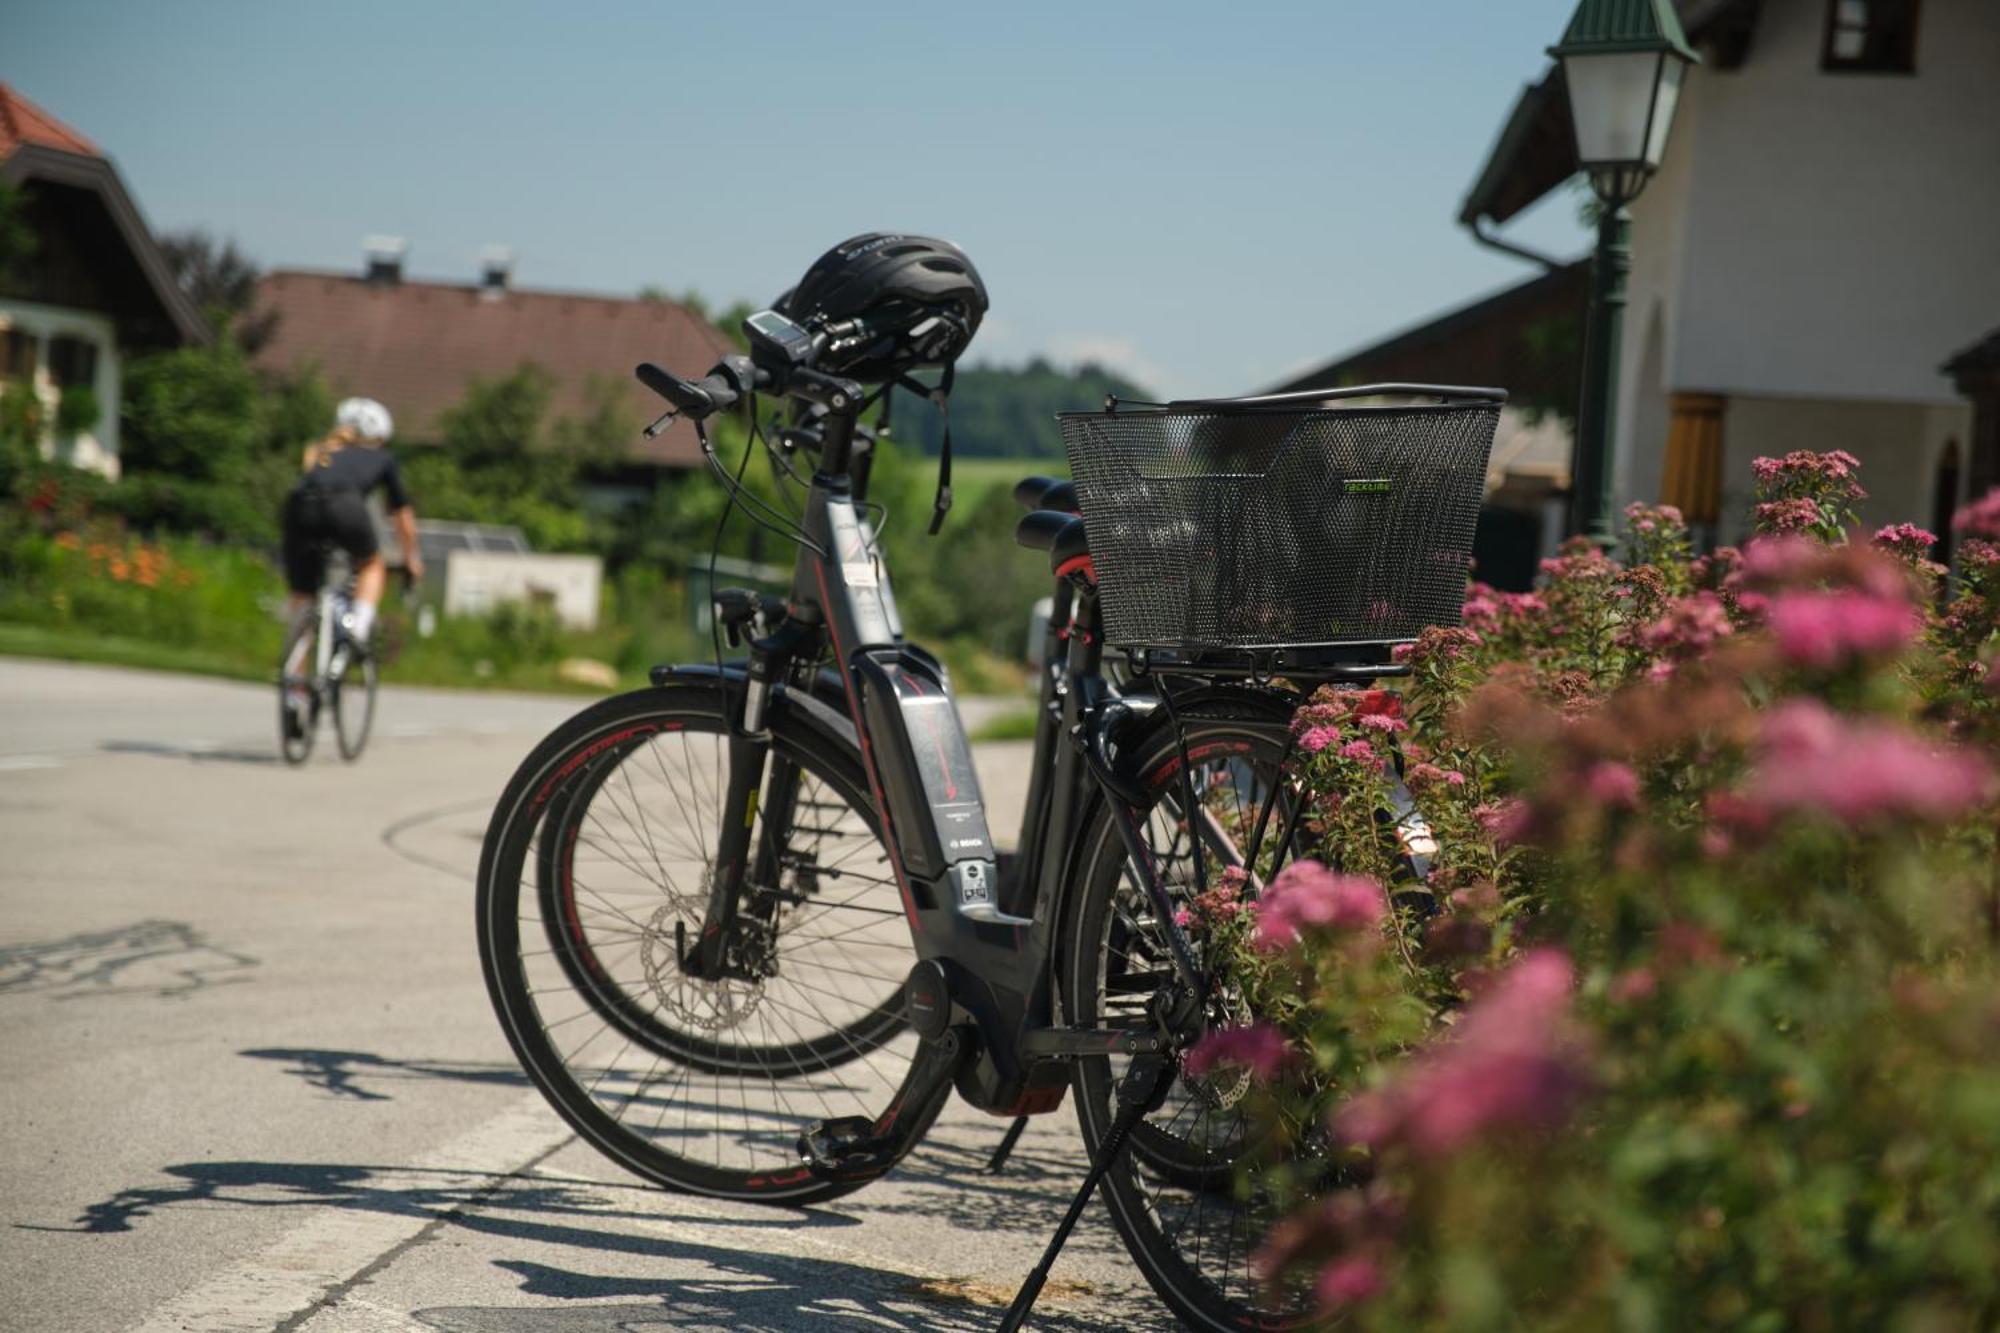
pixel 735 376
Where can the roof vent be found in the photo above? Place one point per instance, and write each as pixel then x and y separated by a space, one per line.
pixel 496 266
pixel 384 259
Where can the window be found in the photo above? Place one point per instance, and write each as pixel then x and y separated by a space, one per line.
pixel 1870 37
pixel 72 361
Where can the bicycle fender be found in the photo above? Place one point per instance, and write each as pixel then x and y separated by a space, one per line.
pixel 813 707
pixel 1141 731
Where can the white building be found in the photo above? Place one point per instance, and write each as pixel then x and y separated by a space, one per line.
pixel 92 286
pixel 1821 239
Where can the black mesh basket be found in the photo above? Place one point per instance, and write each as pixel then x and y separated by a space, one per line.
pixel 1320 520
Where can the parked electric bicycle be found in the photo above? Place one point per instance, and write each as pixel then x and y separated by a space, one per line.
pixel 748 929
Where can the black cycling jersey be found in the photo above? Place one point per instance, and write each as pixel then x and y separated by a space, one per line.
pixel 359 469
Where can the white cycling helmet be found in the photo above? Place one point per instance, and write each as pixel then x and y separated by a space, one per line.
pixel 365 417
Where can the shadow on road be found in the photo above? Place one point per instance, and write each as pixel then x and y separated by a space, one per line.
pixel 339 1072
pixel 521 1204
pixel 742 1292
pixel 736 1286
pixel 194 753
pixel 157 959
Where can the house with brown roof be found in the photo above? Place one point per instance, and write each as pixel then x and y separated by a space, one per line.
pixel 1817 245
pixel 93 288
pixel 416 345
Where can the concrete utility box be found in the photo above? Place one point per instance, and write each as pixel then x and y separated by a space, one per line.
pixel 477 581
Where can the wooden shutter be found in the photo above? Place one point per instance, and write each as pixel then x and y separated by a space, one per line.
pixel 1693 481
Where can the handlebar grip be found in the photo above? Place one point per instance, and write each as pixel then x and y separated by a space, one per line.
pixel 1028 491
pixel 1039 529
pixel 693 398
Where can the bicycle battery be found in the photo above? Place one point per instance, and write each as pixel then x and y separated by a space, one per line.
pixel 925 764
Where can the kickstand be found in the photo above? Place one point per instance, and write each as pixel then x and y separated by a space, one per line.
pixel 1142 1089
pixel 998 1162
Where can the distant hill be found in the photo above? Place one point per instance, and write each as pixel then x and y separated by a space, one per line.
pixel 1009 412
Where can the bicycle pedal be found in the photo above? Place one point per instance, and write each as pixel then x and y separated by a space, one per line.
pixel 846 1147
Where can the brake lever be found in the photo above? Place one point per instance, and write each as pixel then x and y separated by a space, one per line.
pixel 653 431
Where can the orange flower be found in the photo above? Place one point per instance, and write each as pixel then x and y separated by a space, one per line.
pixel 68 541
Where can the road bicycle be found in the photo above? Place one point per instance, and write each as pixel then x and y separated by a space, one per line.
pixel 748 930
pixel 322 670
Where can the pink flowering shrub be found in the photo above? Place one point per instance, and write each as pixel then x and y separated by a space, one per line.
pixel 1807 493
pixel 1692 1021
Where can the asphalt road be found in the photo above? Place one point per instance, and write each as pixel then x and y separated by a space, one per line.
pixel 249 1078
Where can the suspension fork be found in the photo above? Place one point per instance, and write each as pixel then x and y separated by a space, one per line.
pixel 711 953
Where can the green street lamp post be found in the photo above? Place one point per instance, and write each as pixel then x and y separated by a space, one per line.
pixel 1622 62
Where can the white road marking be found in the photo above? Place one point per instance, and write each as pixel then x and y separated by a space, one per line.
pixel 301 1266
pixel 20 763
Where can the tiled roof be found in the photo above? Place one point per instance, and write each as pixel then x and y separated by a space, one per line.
pixel 22 122
pixel 414 346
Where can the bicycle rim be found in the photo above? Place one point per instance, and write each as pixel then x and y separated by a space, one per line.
pixel 353 697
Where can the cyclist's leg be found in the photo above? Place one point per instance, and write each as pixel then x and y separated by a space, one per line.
pixel 305 566
pixel 353 531
pixel 370 577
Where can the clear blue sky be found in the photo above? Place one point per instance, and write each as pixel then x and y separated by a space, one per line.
pixel 1205 195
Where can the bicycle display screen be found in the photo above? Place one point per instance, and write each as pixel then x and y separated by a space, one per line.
pixel 768 328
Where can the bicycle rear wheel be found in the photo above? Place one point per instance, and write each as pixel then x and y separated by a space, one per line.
pixel 595 876
pixel 353 697
pixel 298 702
pixel 1177 1196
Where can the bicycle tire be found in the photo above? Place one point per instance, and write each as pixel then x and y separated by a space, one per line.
pixel 577 968
pixel 304 629
pixel 1175 1170
pixel 341 693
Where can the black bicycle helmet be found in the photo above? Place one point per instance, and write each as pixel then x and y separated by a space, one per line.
pixel 918 300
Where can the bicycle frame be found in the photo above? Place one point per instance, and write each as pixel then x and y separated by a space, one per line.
pixel 987 937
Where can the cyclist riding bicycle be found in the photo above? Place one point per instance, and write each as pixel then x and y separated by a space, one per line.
pixel 329 508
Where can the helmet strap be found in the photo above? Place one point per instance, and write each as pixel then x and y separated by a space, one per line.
pixel 941 395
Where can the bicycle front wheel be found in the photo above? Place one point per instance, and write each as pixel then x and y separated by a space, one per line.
pixel 353 696
pixel 595 878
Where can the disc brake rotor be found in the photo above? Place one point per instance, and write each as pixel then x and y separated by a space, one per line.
pixel 701 1005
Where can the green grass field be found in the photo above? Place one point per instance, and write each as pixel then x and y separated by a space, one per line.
pixel 971 478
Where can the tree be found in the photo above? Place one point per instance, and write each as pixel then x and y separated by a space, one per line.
pixel 222 282
pixel 191 412
pixel 728 322
pixel 498 424
pixel 1009 412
